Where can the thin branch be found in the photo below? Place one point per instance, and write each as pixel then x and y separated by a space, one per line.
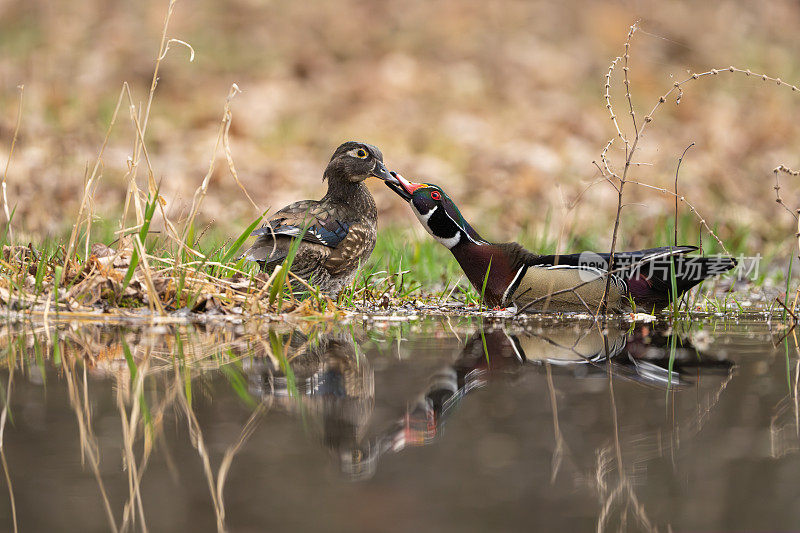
pixel 786 170
pixel 628 157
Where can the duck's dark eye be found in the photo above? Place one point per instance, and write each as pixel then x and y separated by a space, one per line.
pixel 435 195
pixel 361 153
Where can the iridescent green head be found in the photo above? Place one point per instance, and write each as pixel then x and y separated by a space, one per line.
pixel 436 212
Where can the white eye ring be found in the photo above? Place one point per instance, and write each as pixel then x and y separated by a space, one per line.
pixel 359 153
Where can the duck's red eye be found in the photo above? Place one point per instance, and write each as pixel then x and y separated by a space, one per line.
pixel 435 195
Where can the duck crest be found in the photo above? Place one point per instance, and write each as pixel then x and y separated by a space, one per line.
pixel 453 213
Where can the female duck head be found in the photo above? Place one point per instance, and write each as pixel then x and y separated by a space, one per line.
pixel 354 162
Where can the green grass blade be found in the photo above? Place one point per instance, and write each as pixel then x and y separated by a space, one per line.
pixel 57 352
pixel 280 281
pixel 672 346
pixel 132 368
pixel 485 281
pixel 150 210
pixel 788 280
pixel 485 347
pixel 8 227
pixel 238 383
pixel 277 350
pixel 237 244
pixel 674 286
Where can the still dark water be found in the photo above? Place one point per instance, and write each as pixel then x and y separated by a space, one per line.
pixel 435 425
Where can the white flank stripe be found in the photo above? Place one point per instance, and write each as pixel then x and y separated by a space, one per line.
pixel 513 281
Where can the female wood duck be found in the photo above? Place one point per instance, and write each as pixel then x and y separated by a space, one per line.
pixel 576 282
pixel 338 232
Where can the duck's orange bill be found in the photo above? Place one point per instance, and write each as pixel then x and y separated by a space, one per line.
pixel 409 186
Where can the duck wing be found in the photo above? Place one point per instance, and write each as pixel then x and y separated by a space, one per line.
pixel 621 259
pixel 313 221
pixel 647 275
pixel 335 243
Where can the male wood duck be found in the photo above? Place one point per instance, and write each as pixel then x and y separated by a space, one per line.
pixel 338 232
pixel 575 282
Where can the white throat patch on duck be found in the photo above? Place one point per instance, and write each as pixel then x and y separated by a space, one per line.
pixel 426 222
pixel 446 229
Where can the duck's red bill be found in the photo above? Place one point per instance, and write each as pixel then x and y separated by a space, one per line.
pixel 403 187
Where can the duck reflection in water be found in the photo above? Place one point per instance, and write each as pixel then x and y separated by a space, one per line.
pixel 323 377
pixel 336 386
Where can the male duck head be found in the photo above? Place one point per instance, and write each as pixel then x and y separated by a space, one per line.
pixel 353 162
pixel 435 211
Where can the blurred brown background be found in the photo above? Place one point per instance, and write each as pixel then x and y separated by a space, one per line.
pixel 500 102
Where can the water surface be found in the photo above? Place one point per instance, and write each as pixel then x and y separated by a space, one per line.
pixel 447 424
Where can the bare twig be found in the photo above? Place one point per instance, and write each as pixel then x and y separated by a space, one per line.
pixel 794 317
pixel 631 145
pixel 786 170
pixel 630 149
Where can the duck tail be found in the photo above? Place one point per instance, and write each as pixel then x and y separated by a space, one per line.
pixel 651 276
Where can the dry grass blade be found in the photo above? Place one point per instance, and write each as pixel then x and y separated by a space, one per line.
pixel 153 188
pixel 558 451
pixel 8 162
pixel 226 144
pixel 3 419
pixel 201 191
pixel 88 187
pixel 87 438
pixel 129 424
pixel 225 465
pixel 196 433
pixel 153 298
